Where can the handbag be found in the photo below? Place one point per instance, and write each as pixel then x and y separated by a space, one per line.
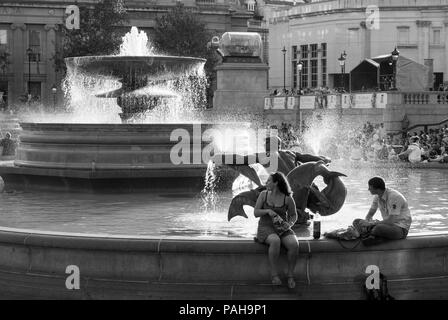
pixel 280 225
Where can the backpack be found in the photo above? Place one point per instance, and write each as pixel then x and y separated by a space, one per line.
pixel 381 294
pixel 349 233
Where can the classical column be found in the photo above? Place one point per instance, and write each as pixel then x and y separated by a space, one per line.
pixel 430 64
pixel 367 36
pixel 18 53
pixel 423 39
pixel 50 67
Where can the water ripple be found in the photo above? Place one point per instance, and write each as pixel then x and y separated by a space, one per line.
pixel 182 215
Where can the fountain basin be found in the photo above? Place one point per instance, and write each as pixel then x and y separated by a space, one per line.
pixel 33 265
pixel 158 67
pixel 105 156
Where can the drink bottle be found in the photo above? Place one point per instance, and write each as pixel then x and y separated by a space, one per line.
pixel 316 226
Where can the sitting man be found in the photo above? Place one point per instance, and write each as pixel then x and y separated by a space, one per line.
pixel 413 153
pixel 394 211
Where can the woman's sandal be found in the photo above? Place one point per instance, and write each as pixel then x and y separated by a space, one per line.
pixel 276 280
pixel 291 283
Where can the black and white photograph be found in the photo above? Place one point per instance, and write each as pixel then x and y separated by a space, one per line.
pixel 226 155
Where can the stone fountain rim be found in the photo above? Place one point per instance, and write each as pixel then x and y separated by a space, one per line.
pixel 133 58
pixel 65 125
pixel 107 241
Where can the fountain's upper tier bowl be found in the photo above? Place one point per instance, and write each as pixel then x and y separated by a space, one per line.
pixel 155 67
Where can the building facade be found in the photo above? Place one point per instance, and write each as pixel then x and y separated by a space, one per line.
pixel 317 33
pixel 36 25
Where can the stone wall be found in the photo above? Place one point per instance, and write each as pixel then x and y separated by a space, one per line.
pixel 40 264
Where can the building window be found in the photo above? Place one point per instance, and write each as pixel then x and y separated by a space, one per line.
pixel 3 40
pixel 403 35
pixel 251 5
pixel 294 74
pixel 313 73
pixel 304 74
pixel 313 50
pixel 36 90
pixel 295 60
pixel 294 52
pixel 304 51
pixel 324 72
pixel 353 36
pixel 436 36
pixel 34 44
pixel 3 37
pixel 323 47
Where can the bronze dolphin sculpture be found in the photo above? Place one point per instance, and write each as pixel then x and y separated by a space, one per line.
pixel 330 199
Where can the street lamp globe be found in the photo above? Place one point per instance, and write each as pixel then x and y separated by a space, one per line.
pixel 299 65
pixel 54 89
pixel 341 60
pixel 395 54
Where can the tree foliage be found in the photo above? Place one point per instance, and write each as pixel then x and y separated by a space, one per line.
pixel 99 32
pixel 4 61
pixel 180 32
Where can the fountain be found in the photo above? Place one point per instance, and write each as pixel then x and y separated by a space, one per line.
pixel 120 157
pixel 102 246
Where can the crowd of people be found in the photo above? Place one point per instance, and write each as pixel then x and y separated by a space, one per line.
pixel 427 146
pixel 370 142
pixel 304 91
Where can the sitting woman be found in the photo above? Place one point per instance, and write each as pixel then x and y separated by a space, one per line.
pixel 277 212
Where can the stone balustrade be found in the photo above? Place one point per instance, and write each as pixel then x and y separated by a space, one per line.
pixel 356 100
pixel 426 108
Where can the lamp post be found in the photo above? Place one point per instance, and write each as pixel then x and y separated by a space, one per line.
pixel 29 52
pixel 299 72
pixel 54 90
pixel 344 55
pixel 341 60
pixel 395 55
pixel 284 69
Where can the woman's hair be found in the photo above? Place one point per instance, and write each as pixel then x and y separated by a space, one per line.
pixel 282 183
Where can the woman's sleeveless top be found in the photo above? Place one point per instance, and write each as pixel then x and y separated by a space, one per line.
pixel 281 211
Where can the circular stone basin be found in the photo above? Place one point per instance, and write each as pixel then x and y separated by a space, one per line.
pixel 110 146
pixel 156 67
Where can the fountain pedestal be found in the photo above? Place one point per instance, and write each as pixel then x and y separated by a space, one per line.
pixel 241 85
pixel 242 77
